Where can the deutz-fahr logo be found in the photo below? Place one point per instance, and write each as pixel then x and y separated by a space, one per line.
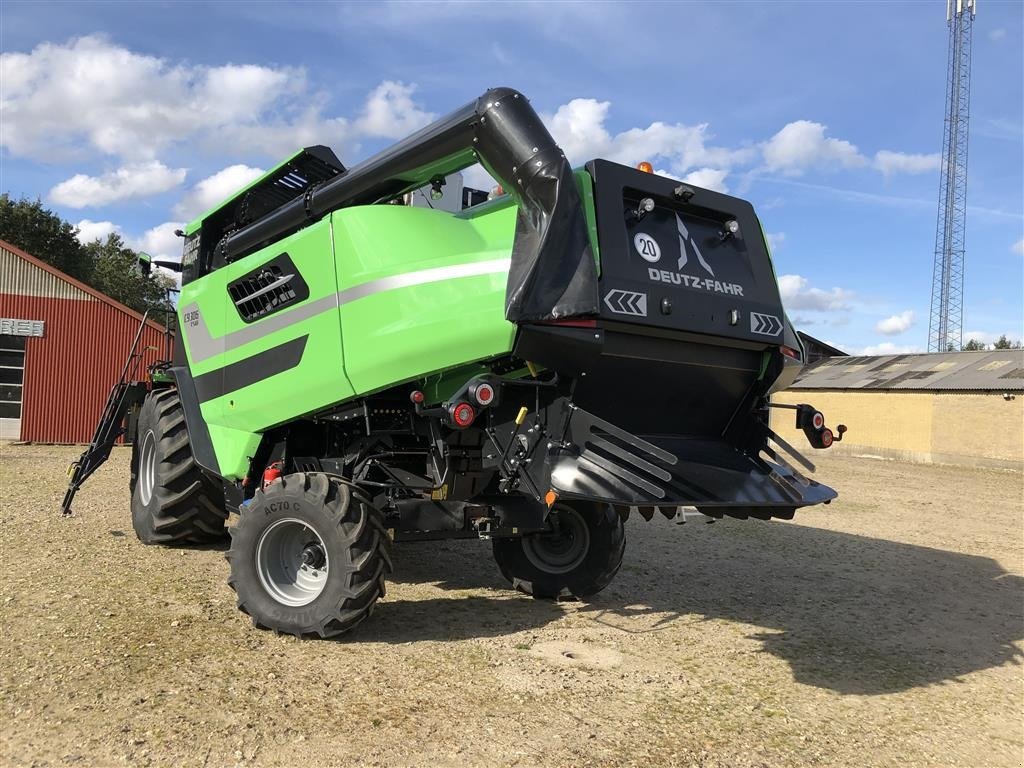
pixel 648 248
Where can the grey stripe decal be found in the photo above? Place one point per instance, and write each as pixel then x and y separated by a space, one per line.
pixel 251 370
pixel 202 346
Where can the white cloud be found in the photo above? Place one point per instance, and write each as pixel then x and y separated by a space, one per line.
pixel 579 128
pixel 213 189
pixel 796 294
pixel 90 95
pixel 896 324
pixel 900 162
pixel 1018 247
pixel 95 230
pixel 160 242
pixel 131 181
pixel 888 348
pixel 391 113
pixel 775 240
pixel 708 178
pixel 997 34
pixel 802 145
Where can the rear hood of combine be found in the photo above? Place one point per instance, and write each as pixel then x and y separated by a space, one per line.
pixel 552 275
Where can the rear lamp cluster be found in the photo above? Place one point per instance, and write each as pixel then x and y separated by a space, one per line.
pixel 812 422
pixel 478 394
pixel 464 407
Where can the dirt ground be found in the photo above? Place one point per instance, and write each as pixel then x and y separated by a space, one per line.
pixel 884 630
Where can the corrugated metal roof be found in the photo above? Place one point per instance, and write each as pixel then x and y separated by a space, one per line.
pixel 21 277
pixel 13 288
pixel 1000 370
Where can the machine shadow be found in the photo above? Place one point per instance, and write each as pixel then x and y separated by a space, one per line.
pixel 849 613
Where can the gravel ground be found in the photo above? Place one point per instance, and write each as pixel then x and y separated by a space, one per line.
pixel 884 630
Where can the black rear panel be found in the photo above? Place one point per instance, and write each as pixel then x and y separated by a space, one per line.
pixel 648 381
pixel 673 268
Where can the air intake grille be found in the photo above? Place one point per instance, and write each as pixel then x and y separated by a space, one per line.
pixel 267 289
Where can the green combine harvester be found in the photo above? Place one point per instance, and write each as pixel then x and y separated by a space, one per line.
pixel 351 371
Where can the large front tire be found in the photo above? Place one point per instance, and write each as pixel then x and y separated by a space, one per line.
pixel 173 501
pixel 577 557
pixel 308 558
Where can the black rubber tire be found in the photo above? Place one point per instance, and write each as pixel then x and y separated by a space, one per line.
pixel 594 571
pixel 355 540
pixel 185 506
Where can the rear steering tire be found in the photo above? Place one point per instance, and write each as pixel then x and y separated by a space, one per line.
pixel 173 500
pixel 308 557
pixel 577 557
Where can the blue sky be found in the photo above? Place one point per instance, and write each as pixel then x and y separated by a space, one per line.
pixel 826 115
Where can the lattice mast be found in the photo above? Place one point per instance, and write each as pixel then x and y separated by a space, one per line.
pixel 945 325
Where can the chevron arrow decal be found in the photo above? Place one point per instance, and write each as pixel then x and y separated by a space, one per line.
pixel 769 325
pixel 627 303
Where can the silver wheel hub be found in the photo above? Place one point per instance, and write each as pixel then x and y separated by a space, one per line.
pixel 564 547
pixel 292 562
pixel 147 468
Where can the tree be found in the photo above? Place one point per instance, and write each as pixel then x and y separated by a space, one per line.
pixel 973 345
pixel 117 274
pixel 1005 343
pixel 39 231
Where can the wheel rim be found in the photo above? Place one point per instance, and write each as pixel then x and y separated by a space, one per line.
pixel 147 468
pixel 564 547
pixel 292 562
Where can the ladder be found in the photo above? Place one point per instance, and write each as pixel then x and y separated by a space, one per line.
pixel 127 393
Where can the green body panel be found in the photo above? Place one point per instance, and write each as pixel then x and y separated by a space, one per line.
pixel 235 418
pixel 586 187
pixel 404 333
pixel 405 295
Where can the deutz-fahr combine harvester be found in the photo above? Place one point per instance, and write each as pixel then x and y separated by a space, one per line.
pixel 350 371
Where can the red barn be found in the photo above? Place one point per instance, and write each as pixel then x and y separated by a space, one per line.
pixel 62 347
